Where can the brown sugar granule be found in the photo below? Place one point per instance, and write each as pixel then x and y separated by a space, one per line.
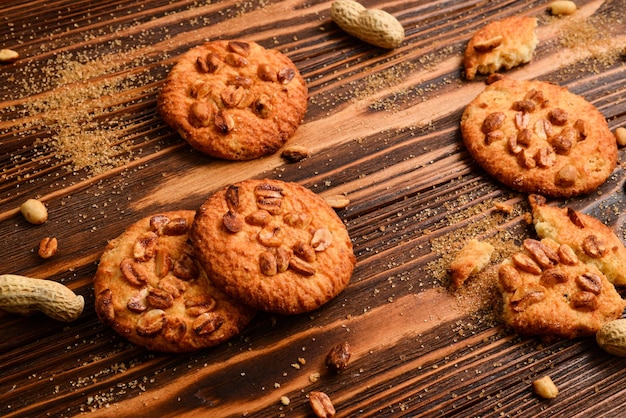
pixel 78 110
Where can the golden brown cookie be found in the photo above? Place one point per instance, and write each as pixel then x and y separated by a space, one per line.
pixel 501 44
pixel 273 245
pixel 536 137
pixel 234 99
pixel 151 290
pixel 547 291
pixel 592 241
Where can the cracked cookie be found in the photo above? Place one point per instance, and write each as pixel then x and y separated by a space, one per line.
pixel 537 137
pixel 273 245
pixel 592 241
pixel 150 289
pixel 549 292
pixel 234 100
pixel 504 43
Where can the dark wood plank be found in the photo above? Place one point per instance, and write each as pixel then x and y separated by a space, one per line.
pixel 383 129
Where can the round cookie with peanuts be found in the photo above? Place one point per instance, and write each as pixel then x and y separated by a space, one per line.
pixel 537 137
pixel 234 100
pixel 150 289
pixel 273 245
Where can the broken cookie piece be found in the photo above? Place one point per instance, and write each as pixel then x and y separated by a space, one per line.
pixel 471 259
pixel 502 44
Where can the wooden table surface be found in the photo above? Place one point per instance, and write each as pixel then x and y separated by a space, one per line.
pixel 382 128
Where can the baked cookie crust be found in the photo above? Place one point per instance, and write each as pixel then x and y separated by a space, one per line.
pixel 273 245
pixel 150 289
pixel 537 137
pixel 234 100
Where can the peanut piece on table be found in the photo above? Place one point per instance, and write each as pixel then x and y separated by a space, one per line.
pixel 321 405
pixel 34 211
pixel 560 7
pixel 47 247
pixel 620 136
pixel 545 388
pixel 8 55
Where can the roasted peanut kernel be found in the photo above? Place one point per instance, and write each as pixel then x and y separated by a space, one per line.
pixel 512 145
pixel 300 220
pixel 175 227
pixel 199 305
pixel 566 176
pixel 584 301
pixel 268 264
pixel 494 136
pixel 558 116
pixel 337 201
pixel 524 137
pixel 47 247
pixel 582 128
pixel 207 323
pixel 231 95
pixel 285 75
pixel 620 136
pixel 145 246
pixel 575 218
pixel 522 119
pixel 150 322
pixel 545 388
pixel 265 73
pixel 104 307
pixel 525 160
pixel 34 211
pixel 209 64
pixel 525 263
pixel 173 285
pixel 295 153
pixel 594 247
pixel 589 282
pixel 321 405
pixel 338 357
pixel 493 121
pixel 537 96
pixel 526 296
pixel 300 266
pixel 562 7
pixel 567 255
pixel 553 276
pixel 236 60
pixel 283 256
pixel 224 122
pixel 493 77
pixel 321 240
pixel 185 268
pixel 526 106
pixel 159 298
pixel 487 45
pixel 268 236
pixel 138 302
pixel 8 55
pixel 304 251
pixel 545 157
pixel 232 198
pixel 200 114
pixel 174 329
pixel 239 47
pixel 563 142
pixel 135 273
pixel 262 107
pixel 509 278
pixel 157 222
pixel 542 254
pixel 258 218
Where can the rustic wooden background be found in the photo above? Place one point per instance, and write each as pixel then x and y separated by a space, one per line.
pixel 382 127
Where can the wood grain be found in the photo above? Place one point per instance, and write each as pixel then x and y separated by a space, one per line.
pixel 382 128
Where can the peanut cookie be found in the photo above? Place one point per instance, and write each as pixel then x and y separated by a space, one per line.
pixel 273 245
pixel 504 44
pixel 548 292
pixel 233 99
pixel 151 290
pixel 536 137
pixel 592 241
